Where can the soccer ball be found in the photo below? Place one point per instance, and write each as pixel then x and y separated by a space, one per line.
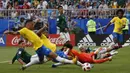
pixel 86 67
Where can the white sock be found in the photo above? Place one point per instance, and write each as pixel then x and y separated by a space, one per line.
pixel 67 36
pixel 63 60
pixel 58 64
pixel 79 63
pixel 125 45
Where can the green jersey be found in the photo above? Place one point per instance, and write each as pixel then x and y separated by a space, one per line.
pixel 23 55
pixel 61 22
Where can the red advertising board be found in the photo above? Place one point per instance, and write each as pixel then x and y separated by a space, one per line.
pixel 12 40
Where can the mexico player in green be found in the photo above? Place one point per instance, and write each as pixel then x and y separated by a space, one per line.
pixel 62 25
pixel 22 56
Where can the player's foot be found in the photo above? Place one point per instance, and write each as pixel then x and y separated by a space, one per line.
pixel 54 66
pixel 125 45
pixel 113 52
pixel 23 68
pixel 74 60
pixel 110 58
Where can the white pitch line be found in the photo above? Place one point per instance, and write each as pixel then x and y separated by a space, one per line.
pixel 4 61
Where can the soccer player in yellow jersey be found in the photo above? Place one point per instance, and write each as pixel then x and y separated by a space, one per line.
pixel 119 23
pixel 40 49
pixel 46 42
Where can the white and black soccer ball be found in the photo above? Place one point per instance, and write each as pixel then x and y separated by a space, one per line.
pixel 86 67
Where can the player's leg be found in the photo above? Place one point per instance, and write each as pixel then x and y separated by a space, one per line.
pixel 115 36
pixel 34 60
pixel 53 55
pixel 120 39
pixel 60 59
pixel 59 64
pixel 102 60
pixel 108 54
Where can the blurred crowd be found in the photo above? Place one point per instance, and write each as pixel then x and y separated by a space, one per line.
pixel 67 4
pixel 73 8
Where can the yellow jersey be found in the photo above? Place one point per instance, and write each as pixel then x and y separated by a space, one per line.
pixel 31 37
pixel 118 24
pixel 47 43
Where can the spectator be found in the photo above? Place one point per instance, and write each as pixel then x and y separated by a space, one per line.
pixel 25 6
pixel 103 8
pixel 45 4
pixel 1 6
pixel 88 5
pixel 51 4
pixel 128 10
pixel 53 14
pixel 121 3
pixel 36 3
pixel 33 6
pixel 9 6
pixel 27 3
pixel 114 4
pixel 16 5
pixel 103 5
pixel 5 2
pixel 40 6
pixel 94 5
pixel 65 6
pixel 20 23
pixel 80 5
pixel 70 24
pixel 91 25
pixel 21 2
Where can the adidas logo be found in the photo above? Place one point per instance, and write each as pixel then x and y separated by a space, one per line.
pixel 87 40
pixel 107 41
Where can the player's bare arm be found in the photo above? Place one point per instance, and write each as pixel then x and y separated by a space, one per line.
pixel 107 26
pixel 39 32
pixel 11 32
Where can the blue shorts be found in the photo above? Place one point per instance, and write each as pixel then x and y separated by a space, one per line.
pixel 61 54
pixel 118 36
pixel 43 51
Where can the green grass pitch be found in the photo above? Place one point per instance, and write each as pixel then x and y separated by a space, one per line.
pixel 119 64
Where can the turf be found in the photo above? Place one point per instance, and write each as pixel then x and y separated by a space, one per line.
pixel 119 64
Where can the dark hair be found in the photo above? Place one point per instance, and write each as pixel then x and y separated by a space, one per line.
pixel 120 10
pixel 68 45
pixel 59 7
pixel 27 21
